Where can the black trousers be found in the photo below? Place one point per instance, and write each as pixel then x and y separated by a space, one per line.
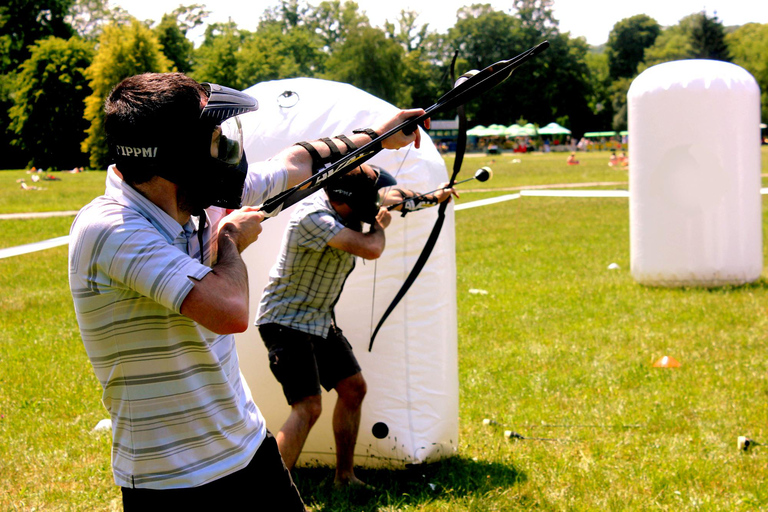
pixel 265 484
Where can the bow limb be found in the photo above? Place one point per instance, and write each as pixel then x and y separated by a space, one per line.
pixel 461 145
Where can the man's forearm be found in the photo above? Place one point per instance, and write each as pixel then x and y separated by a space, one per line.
pixel 219 301
pixel 377 239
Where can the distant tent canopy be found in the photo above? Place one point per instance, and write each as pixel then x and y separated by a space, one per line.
pixel 606 134
pixel 515 130
pixel 494 130
pixel 477 131
pixel 554 129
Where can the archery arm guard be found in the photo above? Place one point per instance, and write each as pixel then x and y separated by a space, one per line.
pixel 318 162
pixel 413 201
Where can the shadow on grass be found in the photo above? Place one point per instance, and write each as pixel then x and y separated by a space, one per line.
pixel 417 484
pixel 760 284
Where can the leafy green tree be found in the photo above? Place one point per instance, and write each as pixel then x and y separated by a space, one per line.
pixel 190 16
pixel 22 22
pixel 216 60
pixel 421 74
pixel 619 90
pixel 421 80
pixel 303 47
pixel 708 38
pixel 748 45
pixel 600 101
pixel 627 43
pixel 370 61
pixel 174 42
pixel 287 15
pixel 172 34
pixel 673 44
pixel 559 86
pixel 48 113
pixel 291 27
pixel 89 17
pixel 123 51
pixel 406 32
pixel 333 21
pixel 13 155
pixel 270 55
pixel 697 36
pixel 537 19
pixel 552 85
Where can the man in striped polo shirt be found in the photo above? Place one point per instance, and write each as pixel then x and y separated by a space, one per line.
pixel 159 288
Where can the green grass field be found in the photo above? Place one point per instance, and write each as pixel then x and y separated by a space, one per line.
pixel 561 348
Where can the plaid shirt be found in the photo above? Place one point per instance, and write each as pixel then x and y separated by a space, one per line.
pixel 305 283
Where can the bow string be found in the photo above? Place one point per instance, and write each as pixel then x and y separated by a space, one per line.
pixel 461 146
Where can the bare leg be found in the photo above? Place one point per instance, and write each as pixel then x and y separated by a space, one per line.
pixel 293 434
pixel 346 423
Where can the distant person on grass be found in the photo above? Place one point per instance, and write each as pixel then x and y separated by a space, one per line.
pixel 296 317
pixel 159 288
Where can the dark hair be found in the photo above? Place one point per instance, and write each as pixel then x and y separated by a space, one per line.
pixel 160 111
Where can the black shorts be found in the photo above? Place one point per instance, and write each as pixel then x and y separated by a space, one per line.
pixel 301 362
pixel 265 481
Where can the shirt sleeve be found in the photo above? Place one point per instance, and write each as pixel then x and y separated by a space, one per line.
pixel 133 254
pixel 264 180
pixel 317 228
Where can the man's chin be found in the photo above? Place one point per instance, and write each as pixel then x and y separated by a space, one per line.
pixel 191 202
pixel 354 224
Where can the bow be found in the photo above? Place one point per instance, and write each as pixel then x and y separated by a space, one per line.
pixel 461 145
pixel 468 86
pixel 473 87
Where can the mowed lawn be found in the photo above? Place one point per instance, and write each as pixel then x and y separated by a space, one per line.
pixel 559 349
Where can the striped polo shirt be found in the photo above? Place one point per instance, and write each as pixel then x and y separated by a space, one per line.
pixel 306 281
pixel 182 414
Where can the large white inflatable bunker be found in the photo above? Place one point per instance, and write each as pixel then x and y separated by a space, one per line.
pixel 410 414
pixel 694 175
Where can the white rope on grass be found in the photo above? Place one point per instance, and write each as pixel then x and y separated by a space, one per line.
pixel 34 247
pixel 486 202
pixel 575 193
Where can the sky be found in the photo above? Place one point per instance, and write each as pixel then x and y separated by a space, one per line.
pixel 591 19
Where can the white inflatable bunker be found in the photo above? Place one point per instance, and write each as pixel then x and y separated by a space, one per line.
pixel 412 372
pixel 694 175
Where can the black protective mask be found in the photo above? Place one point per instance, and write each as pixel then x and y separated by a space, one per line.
pixel 221 173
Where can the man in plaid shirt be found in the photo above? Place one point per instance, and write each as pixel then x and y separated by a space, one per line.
pixel 296 318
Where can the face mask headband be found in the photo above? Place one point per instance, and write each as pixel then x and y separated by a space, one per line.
pixel 223 103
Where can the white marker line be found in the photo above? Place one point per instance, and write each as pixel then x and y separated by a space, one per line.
pixel 64 240
pixel 37 246
pixel 575 193
pixel 485 202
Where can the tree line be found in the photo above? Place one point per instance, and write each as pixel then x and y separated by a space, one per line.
pixel 60 58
